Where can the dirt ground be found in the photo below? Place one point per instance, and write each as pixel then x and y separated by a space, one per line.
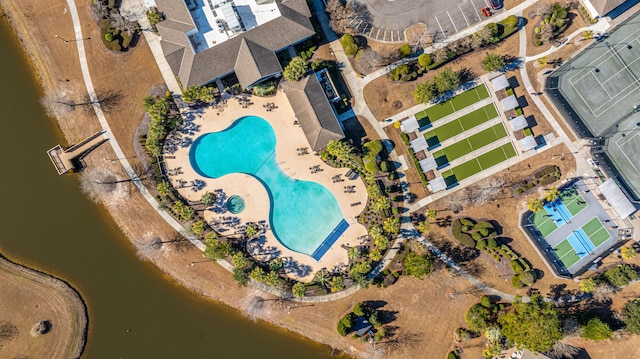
pixel 576 22
pixel 542 126
pixel 380 94
pixel 29 297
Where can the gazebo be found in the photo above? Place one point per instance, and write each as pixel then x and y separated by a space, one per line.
pixel 518 123
pixel 509 103
pixel 409 125
pixel 500 83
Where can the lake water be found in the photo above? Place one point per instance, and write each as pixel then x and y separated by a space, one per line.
pixel 166 321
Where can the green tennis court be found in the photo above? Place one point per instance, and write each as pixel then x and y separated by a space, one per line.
pixel 446 108
pixel 596 232
pixel 570 258
pixel 471 143
pixel 461 124
pixel 563 248
pixel 543 223
pixel 480 163
pixel 573 200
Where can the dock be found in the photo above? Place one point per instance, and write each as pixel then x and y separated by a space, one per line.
pixel 65 160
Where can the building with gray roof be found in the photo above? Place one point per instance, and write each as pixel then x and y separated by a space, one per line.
pixel 313 111
pixel 205 44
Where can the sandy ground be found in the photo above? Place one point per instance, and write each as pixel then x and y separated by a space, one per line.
pixel 380 94
pixel 576 22
pixel 29 297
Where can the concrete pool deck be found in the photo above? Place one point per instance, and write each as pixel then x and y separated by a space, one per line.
pixel 289 138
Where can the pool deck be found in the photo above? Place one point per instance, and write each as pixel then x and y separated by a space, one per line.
pixel 289 138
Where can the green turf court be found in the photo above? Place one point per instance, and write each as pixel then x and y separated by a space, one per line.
pixel 544 225
pixel 478 164
pixel 573 201
pixel 448 107
pixel 461 124
pixel 596 232
pixel 570 258
pixel 563 248
pixel 471 143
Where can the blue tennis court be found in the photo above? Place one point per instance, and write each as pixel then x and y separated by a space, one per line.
pixel 581 243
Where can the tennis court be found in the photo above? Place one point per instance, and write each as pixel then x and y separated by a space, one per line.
pixel 543 222
pixel 470 144
pixel 594 229
pixel 572 199
pixel 565 252
pixel 461 124
pixel 443 109
pixel 478 164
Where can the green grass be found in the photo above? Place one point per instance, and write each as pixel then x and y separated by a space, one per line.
pixel 472 143
pixel 480 163
pixel 461 124
pixel 563 248
pixel 443 109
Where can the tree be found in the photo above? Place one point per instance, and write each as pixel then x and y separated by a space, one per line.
pixel 425 92
pixel 198 93
pixel 251 230
pixel 588 285
pixel 431 213
pixel 595 329
pixel 424 60
pixel 534 325
pixel 240 276
pixel 208 199
pixel 561 350
pixel 511 21
pixel 337 283
pixel 404 50
pixel 240 260
pixel 478 317
pixel 621 275
pixel 299 290
pixel 417 265
pixel 376 232
pixel 214 248
pixel 628 252
pixel 339 149
pixel 485 35
pixel 440 55
pixel 535 205
pixel 424 227
pixel 258 274
pixel 154 17
pixel 273 279
pixel 493 62
pixel 198 227
pixel 552 194
pixel 631 314
pixel 164 189
pixel 276 265
pixel 296 68
pixel 391 225
pixel 446 80
pixel 322 277
pixel 354 253
pixel 376 254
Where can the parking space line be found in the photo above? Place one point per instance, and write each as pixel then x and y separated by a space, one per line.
pixel 453 23
pixel 464 16
pixel 377 33
pixel 392 35
pixel 438 21
pixel 475 10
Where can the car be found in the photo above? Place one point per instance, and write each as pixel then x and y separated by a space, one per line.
pixel 485 11
pixel 496 4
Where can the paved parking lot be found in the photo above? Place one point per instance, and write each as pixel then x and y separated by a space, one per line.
pixel 443 18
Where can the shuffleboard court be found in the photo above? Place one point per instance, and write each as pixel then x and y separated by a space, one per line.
pixel 472 143
pixel 461 124
pixel 480 163
pixel 448 107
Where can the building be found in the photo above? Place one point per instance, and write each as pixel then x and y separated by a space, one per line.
pixel 205 40
pixel 599 8
pixel 315 114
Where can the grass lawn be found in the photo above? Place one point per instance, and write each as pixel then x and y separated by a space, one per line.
pixel 448 107
pixel 471 143
pixel 461 124
pixel 480 163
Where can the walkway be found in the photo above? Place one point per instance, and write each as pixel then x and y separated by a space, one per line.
pixel 63 160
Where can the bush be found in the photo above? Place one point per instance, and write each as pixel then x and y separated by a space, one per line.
pixel 374 319
pixel 595 329
pixel 263 89
pixel 342 329
pixel 464 238
pixel 476 236
pixel 481 244
pixel 481 225
pixel 515 265
pixel 424 60
pixel 511 21
pixel 399 72
pixel 126 39
pixel 515 281
pixel 467 222
pixel 386 166
pixel 621 275
pixel 108 36
pixel 493 27
pixel 492 243
pixel 453 355
pixel 484 232
pixel 347 40
pixel 537 43
pixel 115 45
pixel 360 309
pixel 527 278
pixel 485 301
pixel 405 50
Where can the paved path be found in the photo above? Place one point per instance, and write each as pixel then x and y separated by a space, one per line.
pixel 599 27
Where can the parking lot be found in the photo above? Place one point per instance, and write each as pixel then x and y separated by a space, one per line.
pixel 443 18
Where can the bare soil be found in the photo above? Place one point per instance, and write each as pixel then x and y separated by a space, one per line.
pixel 380 94
pixel 29 297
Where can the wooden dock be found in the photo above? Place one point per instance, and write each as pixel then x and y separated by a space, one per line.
pixel 65 160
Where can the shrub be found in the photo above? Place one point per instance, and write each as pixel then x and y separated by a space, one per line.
pixel 484 232
pixel 485 301
pixel 126 39
pixel 511 21
pixel 296 68
pixel 386 166
pixel 537 43
pixel 464 238
pixel 515 265
pixel 108 36
pixel 481 244
pixel 481 225
pixel 493 27
pixel 347 40
pixel 492 243
pixel 527 278
pixel 595 329
pixel 453 355
pixel 405 50
pixel 374 319
pixel 621 275
pixel 516 283
pixel 424 60
pixel 476 236
pixel 360 309
pixel 263 89
pixel 115 45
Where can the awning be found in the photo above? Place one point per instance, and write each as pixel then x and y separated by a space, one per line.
pixel 518 123
pixel 409 125
pixel 428 164
pixel 437 184
pixel 419 144
pixel 528 143
pixel 500 83
pixel 509 103
pixel 617 199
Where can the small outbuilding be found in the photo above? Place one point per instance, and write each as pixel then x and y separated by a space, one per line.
pixel 518 123
pixel 509 103
pixel 500 83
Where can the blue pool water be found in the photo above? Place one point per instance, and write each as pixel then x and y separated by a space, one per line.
pixel 302 215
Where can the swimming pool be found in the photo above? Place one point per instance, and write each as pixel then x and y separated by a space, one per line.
pixel 302 214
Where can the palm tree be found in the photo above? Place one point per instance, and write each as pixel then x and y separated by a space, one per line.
pixel 376 232
pixel 552 194
pixel 424 227
pixel 322 277
pixel 535 205
pixel 431 213
pixel 354 253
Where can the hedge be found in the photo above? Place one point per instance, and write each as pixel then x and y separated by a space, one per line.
pixel 464 238
pixel 481 225
pixel 515 281
pixel 545 171
pixel 423 178
pixel 527 278
pixel 467 222
pixel 517 268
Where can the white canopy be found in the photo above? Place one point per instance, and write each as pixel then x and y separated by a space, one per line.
pixel 419 144
pixel 428 164
pixel 409 125
pixel 518 123
pixel 528 143
pixel 617 199
pixel 509 103
pixel 437 184
pixel 500 83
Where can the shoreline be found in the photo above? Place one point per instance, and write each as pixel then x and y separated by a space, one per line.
pixel 42 76
pixel 77 303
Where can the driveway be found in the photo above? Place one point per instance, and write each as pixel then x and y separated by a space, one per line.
pixel 443 18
